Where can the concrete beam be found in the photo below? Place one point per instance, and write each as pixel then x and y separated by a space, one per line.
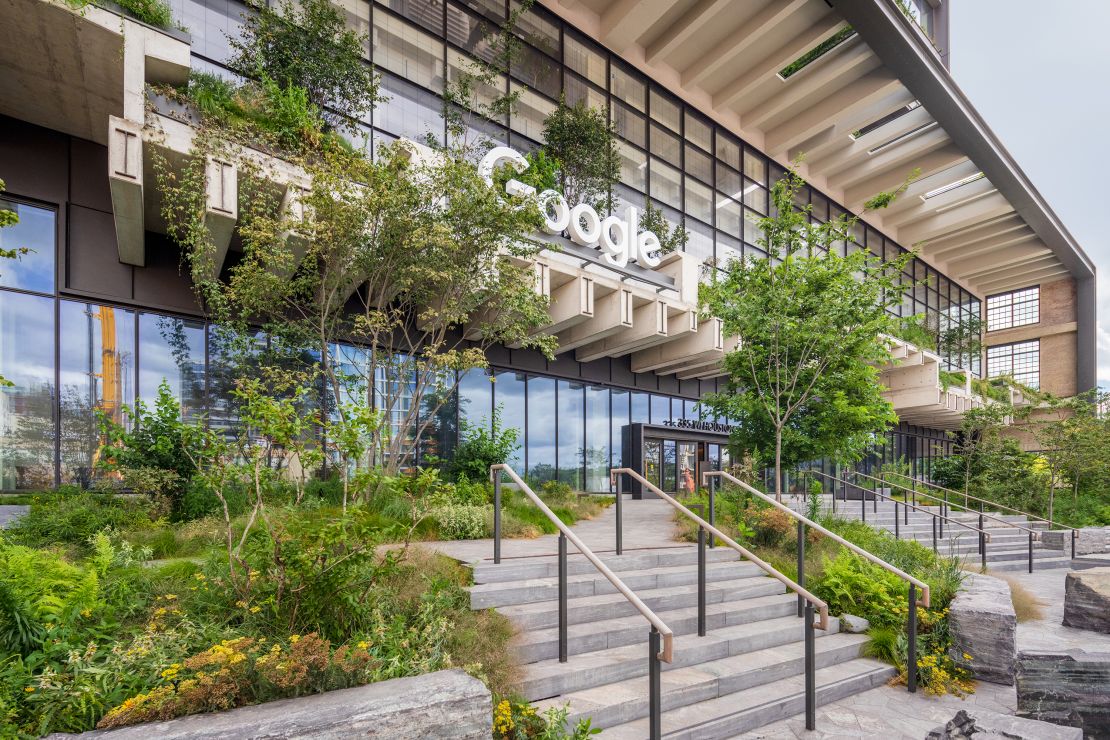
pixel 705 343
pixel 933 162
pixel 957 217
pixel 649 325
pixel 125 181
pixel 613 313
pixel 691 21
pixel 623 22
pixel 221 188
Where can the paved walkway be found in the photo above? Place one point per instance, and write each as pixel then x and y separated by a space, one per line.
pixel 647 524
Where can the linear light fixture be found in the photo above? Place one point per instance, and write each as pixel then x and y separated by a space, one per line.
pixel 865 130
pixel 903 137
pixel 816 52
pixel 952 186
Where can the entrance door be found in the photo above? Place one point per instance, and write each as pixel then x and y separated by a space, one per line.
pixel 687 459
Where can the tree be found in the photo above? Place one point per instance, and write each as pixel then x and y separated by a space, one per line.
pixel 803 381
pixel 306 46
pixel 583 141
pixel 8 217
pixel 1074 442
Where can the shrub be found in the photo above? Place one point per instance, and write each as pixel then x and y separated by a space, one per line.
pixel 852 585
pixel 73 519
pixel 479 448
pixel 461 521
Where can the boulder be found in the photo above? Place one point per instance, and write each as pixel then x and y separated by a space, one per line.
pixel 982 724
pixel 1066 688
pixel 1091 541
pixel 444 704
pixel 852 623
pixel 1087 599
pixel 983 625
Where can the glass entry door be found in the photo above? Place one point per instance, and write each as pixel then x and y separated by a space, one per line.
pixel 687 467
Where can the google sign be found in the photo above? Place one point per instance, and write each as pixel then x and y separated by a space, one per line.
pixel 619 239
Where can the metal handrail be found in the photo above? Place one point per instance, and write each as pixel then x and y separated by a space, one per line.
pixel 660 626
pixel 831 535
pixel 821 606
pixel 922 509
pixel 1035 533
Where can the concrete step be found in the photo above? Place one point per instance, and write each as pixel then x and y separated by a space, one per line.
pixel 626 701
pixel 550 678
pixel 543 644
pixel 737 712
pixel 546 566
pixel 538 615
pixel 1053 563
pixel 486 595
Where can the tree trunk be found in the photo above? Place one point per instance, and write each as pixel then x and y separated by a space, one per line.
pixel 778 464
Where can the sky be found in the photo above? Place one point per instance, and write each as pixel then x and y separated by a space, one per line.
pixel 1037 73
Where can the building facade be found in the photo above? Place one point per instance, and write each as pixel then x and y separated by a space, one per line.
pixel 710 104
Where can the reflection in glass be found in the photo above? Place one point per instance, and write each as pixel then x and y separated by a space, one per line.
pixel 668 465
pixel 27 406
pixel 620 431
pixel 97 373
pixel 653 451
pixel 597 439
pixel 475 399
pixel 439 416
pixel 508 399
pixel 660 409
pixel 35 232
pixel 172 349
pixel 687 453
pixel 641 408
pixel 541 429
pixel 572 443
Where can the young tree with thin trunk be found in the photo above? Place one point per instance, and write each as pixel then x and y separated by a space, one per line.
pixel 803 381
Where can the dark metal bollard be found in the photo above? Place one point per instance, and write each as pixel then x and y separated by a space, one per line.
pixel 801 565
pixel 897 534
pixel 562 598
pixel 701 581
pixel 934 535
pixel 1030 552
pixel 712 509
pixel 620 525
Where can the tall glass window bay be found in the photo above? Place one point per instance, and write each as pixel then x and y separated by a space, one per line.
pixel 26 406
pixel 541 429
pixel 571 422
pixel 508 399
pixel 35 232
pixel 475 399
pixel 172 350
pixel 597 439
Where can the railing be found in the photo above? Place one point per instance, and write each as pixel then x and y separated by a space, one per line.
pixel 987 502
pixel 946 507
pixel 710 477
pixel 984 536
pixel 659 630
pixel 811 602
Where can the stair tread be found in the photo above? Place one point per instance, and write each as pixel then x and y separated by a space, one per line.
pixel 597 575
pixel 770 699
pixel 488 572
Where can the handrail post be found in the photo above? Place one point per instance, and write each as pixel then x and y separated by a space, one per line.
pixel 897 534
pixel 906 511
pixel 1074 537
pixel 701 581
pixel 1030 552
pixel 811 668
pixel 496 516
pixel 934 534
pixel 713 483
pixel 562 598
pixel 911 628
pixel 982 543
pixel 620 524
pixel 801 565
pixel 655 710
pixel 862 502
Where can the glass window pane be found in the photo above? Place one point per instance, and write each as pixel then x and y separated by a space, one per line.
pixel 409 52
pixel 35 232
pixel 653 453
pixel 619 431
pixel 475 399
pixel 597 439
pixel 660 409
pixel 641 408
pixel 535 27
pixel 172 350
pixel 494 9
pixel 753 229
pixel 536 70
pixel 699 201
pixel 439 411
pixel 755 196
pixel 508 399
pixel 541 432
pixel 728 249
pixel 665 110
pixel 666 183
pixel 665 144
pixel 633 166
pixel 701 240
pixel 530 113
pixel 583 59
pixel 699 132
pixel 421 12
pixel 571 423
pixel 471 33
pixel 698 164
pixel 459 64
pixel 410 111
pixel 629 124
pixel 728 181
pixel 97 372
pixel 27 406
pixel 668 465
pixel 626 87
pixel 755 166
pixel 729 214
pixel 728 149
pixel 578 90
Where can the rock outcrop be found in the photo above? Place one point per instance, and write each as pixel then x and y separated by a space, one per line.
pixel 1087 600
pixel 1066 688
pixel 980 723
pixel 983 625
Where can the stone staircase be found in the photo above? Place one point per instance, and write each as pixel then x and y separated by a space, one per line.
pixel 1007 550
pixel 746 672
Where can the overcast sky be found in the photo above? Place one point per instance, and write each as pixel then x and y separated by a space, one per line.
pixel 1037 73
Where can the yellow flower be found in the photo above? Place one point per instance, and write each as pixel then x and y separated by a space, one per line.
pixel 200 576
pixel 255 609
pixel 294 639
pixel 29 689
pixel 967 656
pixel 86 613
pixel 363 645
pixel 171 597
pixel 241 604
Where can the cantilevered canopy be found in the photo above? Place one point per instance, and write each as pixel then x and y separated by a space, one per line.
pixel 865 113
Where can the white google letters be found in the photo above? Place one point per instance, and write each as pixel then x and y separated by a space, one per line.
pixel 619 239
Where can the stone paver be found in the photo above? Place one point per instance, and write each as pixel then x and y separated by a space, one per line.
pixel 647 524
